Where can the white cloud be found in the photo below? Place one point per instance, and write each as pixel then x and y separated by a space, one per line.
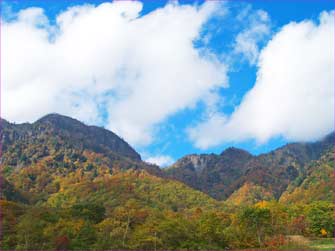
pixel 107 64
pixel 294 91
pixel 247 41
pixel 160 160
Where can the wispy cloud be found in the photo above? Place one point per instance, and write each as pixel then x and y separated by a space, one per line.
pixel 258 28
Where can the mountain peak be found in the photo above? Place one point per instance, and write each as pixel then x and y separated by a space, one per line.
pixel 58 120
pixel 53 116
pixel 235 152
pixel 195 161
pixel 75 133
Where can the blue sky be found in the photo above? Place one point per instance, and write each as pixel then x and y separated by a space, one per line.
pixel 188 127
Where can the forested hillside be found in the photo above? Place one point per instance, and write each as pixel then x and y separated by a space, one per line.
pixel 221 175
pixel 66 185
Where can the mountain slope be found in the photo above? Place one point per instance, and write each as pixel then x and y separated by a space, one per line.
pixel 249 194
pixel 211 173
pixel 221 175
pixel 65 142
pixel 136 185
pixel 278 169
pixel 55 131
pixel 35 156
pixel 317 184
pixel 68 186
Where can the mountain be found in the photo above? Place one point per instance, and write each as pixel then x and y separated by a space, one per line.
pixel 34 156
pixel 69 186
pixel 315 184
pixel 249 194
pixel 54 130
pixel 65 141
pixel 221 175
pixel 136 185
pixel 57 146
pixel 66 186
pixel 211 173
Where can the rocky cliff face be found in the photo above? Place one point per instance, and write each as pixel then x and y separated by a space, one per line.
pixel 211 173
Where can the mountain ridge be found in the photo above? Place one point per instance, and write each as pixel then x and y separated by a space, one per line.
pixel 61 192
pixel 82 135
pixel 70 142
pixel 276 168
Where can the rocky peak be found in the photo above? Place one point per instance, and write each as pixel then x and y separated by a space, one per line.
pixel 196 162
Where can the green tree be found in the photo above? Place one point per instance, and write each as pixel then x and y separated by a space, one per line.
pixel 211 231
pixel 176 232
pixel 30 232
pixel 109 234
pixel 88 211
pixel 257 222
pixel 320 215
pixel 85 239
